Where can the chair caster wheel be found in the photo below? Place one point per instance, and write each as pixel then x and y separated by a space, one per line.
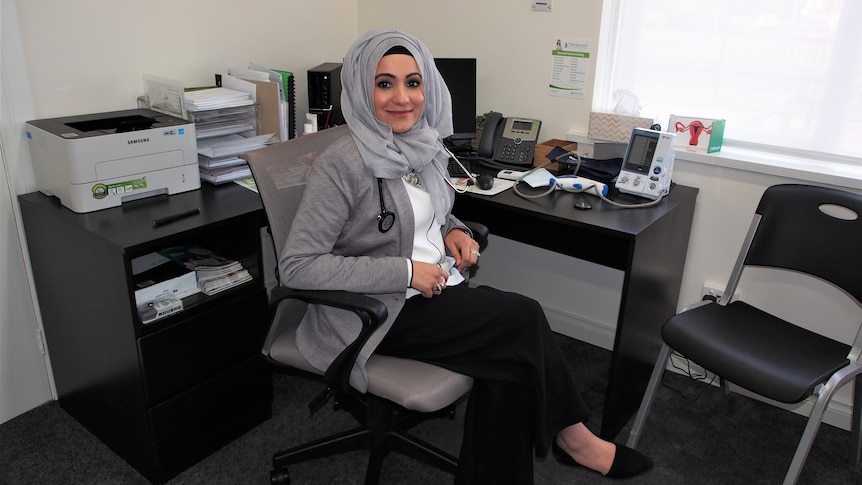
pixel 279 477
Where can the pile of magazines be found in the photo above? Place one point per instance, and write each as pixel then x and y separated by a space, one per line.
pixel 213 272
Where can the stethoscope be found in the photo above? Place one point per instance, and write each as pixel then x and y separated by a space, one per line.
pixel 386 218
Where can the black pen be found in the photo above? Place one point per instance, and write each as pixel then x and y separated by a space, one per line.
pixel 182 215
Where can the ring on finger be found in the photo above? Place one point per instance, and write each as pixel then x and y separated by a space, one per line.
pixel 475 253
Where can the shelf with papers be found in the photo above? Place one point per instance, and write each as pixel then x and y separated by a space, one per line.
pixel 232 144
pixel 215 98
pixel 214 272
pixel 243 120
pixel 226 174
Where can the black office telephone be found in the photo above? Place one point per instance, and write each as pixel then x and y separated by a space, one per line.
pixel 509 141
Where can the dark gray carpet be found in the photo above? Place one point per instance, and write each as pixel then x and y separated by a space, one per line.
pixel 694 433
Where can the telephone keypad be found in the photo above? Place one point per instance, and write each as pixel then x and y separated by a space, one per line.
pixel 514 153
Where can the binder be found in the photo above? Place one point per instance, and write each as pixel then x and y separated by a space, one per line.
pixel 287 80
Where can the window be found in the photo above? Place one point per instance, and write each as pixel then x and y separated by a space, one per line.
pixel 783 73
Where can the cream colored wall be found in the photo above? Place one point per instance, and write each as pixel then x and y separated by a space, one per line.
pixel 90 55
pixel 511 43
pixel 24 373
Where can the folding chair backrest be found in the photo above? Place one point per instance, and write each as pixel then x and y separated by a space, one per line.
pixel 814 230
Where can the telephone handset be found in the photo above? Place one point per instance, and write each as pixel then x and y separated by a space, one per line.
pixel 510 141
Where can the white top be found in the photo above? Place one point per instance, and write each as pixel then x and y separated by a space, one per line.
pixel 428 246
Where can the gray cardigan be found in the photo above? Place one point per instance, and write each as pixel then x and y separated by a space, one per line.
pixel 334 244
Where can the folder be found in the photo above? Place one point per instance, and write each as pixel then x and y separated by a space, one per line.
pixel 284 79
pixel 270 108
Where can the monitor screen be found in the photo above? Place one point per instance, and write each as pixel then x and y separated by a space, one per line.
pixel 640 152
pixel 460 77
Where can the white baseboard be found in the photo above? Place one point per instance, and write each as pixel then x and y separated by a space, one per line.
pixel 592 332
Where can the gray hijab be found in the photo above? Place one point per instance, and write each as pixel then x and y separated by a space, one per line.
pixel 388 155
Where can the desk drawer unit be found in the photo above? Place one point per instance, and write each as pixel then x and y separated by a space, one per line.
pixel 166 394
pixel 194 350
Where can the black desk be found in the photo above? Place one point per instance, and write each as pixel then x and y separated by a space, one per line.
pixel 166 394
pixel 648 244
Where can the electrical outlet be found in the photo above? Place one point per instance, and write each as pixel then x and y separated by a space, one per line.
pixel 715 290
pixel 541 6
pixel 710 289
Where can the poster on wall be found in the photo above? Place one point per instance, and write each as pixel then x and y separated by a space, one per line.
pixel 570 66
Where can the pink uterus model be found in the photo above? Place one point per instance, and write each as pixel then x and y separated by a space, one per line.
pixel 695 129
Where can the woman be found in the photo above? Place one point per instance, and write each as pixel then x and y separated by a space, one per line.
pixel 393 164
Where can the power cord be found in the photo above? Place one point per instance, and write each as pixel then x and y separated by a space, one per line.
pixel 705 377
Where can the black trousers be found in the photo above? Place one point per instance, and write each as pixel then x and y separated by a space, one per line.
pixel 523 392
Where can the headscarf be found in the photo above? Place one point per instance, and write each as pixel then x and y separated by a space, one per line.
pixel 385 154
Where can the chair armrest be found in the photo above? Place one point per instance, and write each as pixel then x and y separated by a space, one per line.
pixel 480 233
pixel 371 312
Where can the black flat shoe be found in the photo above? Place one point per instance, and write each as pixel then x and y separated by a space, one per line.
pixel 627 462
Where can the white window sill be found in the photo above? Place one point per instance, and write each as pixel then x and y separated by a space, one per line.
pixel 800 167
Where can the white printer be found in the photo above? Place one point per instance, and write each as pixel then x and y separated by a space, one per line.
pixel 96 161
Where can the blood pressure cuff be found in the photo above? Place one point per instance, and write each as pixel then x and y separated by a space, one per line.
pixel 605 170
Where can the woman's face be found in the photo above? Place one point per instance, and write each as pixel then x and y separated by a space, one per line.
pixel 399 93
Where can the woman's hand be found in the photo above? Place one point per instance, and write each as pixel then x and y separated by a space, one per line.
pixel 464 248
pixel 429 279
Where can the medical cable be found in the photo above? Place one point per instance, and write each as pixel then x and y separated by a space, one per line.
pixel 446 177
pixel 595 189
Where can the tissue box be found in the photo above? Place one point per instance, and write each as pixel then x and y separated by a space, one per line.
pixel 700 135
pixel 545 147
pixel 614 126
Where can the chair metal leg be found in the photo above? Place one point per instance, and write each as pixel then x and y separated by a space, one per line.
pixel 649 395
pixel 387 432
pixel 856 422
pixel 385 429
pixel 816 417
pixel 725 387
pixel 377 453
pixel 354 439
pixel 423 451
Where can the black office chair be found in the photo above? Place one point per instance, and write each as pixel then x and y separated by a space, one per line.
pixel 814 231
pixel 401 392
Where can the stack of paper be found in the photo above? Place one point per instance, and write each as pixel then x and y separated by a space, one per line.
pixel 216 98
pixel 218 160
pixel 221 175
pixel 214 272
pixel 234 144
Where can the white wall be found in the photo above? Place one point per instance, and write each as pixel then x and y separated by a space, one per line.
pixel 24 373
pixel 90 55
pixel 512 46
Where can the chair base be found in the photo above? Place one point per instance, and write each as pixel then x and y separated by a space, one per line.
pixel 385 431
